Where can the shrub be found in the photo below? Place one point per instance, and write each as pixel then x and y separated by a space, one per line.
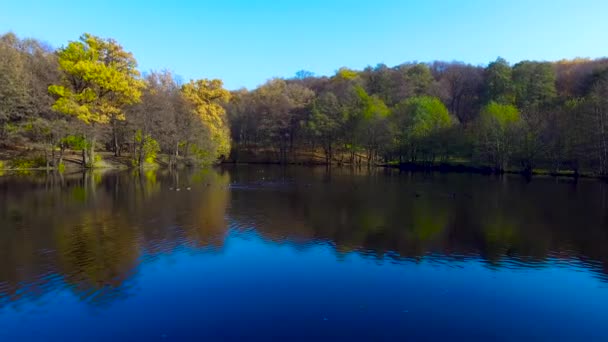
pixel 28 163
pixel 147 147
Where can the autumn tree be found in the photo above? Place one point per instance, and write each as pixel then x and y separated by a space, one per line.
pixel 13 86
pixel 281 106
pixel 460 87
pixel 207 97
pixel 99 79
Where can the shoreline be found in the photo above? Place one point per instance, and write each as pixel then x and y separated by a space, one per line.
pixel 439 168
pixel 109 162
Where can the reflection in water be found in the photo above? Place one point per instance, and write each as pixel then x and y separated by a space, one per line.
pixel 504 221
pixel 91 232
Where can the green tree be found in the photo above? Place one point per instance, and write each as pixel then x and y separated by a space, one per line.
pixel 374 131
pixel 534 85
pixel 496 128
pixel 420 122
pixel 326 121
pixel 596 115
pixel 499 86
pixel 379 81
pixel 535 93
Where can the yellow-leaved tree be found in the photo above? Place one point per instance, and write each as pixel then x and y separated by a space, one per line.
pixel 99 78
pixel 207 96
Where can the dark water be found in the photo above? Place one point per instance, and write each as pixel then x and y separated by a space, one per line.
pixel 266 252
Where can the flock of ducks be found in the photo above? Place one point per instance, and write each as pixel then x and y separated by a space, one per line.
pixel 416 194
pixel 178 189
pixel 189 188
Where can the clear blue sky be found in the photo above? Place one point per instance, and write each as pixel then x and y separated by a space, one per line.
pixel 247 42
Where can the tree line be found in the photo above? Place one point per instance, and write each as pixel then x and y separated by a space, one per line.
pixel 530 115
pixel 89 96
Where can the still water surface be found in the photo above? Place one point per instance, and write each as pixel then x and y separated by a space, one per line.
pixel 268 252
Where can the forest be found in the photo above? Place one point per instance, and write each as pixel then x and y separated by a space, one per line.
pixel 87 104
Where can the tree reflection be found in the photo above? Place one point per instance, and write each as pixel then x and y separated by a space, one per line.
pixel 91 231
pixel 417 215
pixel 97 252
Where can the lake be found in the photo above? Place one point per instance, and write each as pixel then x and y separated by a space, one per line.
pixel 266 252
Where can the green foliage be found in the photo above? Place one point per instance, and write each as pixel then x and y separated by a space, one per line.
pixel 27 163
pixel 11 128
pixel 496 130
pixel 423 116
pixel 534 84
pixel 202 155
pixel 327 119
pixel 372 106
pixel 77 142
pixel 61 167
pixel 499 83
pixel 421 123
pixel 147 149
pixel 499 116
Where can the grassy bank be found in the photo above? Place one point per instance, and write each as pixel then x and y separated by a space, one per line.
pixel 31 159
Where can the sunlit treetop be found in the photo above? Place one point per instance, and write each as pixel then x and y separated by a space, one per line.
pixel 208 96
pixel 99 79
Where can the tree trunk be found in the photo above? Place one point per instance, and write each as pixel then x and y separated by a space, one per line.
pixel 115 139
pixel 85 157
pixel 174 156
pixel 140 156
pixel 53 155
pixel 46 159
pixel 61 152
pixel 92 152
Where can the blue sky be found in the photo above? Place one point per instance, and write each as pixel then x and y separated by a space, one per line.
pixel 247 42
